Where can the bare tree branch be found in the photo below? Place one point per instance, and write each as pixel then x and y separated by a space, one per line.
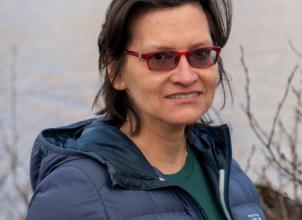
pixel 286 162
pixel 280 105
pixel 17 201
pixel 259 132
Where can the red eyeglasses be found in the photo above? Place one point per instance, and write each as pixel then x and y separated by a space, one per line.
pixel 168 60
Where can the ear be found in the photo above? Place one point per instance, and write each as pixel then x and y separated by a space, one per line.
pixel 117 83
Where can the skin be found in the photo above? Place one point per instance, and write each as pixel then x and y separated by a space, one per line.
pixel 162 138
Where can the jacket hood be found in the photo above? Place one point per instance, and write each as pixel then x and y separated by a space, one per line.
pixel 125 163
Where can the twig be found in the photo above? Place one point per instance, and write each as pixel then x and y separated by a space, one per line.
pixel 14 96
pixel 249 160
pixel 280 105
pixel 298 53
pixel 259 132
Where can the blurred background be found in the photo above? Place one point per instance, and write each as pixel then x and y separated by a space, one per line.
pixel 49 76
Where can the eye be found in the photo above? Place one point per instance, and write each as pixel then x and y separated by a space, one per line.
pixel 162 56
pixel 201 53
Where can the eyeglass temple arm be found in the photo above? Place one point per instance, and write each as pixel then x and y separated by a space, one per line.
pixel 129 52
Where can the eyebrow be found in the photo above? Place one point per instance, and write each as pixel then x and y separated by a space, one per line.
pixel 160 47
pixel 206 43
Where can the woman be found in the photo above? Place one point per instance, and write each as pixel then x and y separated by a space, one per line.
pixel 146 157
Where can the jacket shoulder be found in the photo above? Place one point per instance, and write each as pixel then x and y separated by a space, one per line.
pixel 70 191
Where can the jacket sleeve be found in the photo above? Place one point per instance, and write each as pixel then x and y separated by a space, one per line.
pixel 66 194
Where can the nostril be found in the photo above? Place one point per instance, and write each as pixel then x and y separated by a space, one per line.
pixel 184 75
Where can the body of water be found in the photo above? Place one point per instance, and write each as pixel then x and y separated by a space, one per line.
pixel 56 63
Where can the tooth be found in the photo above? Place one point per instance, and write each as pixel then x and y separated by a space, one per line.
pixel 182 96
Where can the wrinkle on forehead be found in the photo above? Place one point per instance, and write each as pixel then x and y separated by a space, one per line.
pixel 180 27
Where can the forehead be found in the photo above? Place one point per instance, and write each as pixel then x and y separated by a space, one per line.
pixel 181 27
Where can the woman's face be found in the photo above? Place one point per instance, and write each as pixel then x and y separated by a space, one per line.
pixel 179 96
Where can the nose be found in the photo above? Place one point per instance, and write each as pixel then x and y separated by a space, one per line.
pixel 184 74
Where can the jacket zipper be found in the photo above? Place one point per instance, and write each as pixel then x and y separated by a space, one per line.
pixel 224 176
pixel 222 193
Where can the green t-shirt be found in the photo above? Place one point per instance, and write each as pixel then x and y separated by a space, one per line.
pixel 192 179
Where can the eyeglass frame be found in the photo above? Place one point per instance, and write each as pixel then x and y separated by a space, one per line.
pixel 146 56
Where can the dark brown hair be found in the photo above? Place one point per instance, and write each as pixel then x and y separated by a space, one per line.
pixel 116 35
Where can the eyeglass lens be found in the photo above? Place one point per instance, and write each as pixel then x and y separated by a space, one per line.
pixel 167 60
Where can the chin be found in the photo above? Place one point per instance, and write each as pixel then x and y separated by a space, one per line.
pixel 185 120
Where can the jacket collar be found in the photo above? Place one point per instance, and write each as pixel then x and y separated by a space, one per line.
pixel 126 165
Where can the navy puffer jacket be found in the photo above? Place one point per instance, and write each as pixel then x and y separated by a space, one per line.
pixel 92 171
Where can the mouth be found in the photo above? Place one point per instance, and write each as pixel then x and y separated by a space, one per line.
pixel 184 95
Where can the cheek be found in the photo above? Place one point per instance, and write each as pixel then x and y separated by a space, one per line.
pixel 214 83
pixel 141 89
pixel 210 80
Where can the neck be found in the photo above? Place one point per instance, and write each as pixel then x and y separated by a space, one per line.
pixel 164 147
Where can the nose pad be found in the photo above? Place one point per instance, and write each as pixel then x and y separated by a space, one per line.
pixel 183 60
pixel 178 58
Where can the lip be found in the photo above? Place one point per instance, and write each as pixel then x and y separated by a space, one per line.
pixel 183 93
pixel 191 96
